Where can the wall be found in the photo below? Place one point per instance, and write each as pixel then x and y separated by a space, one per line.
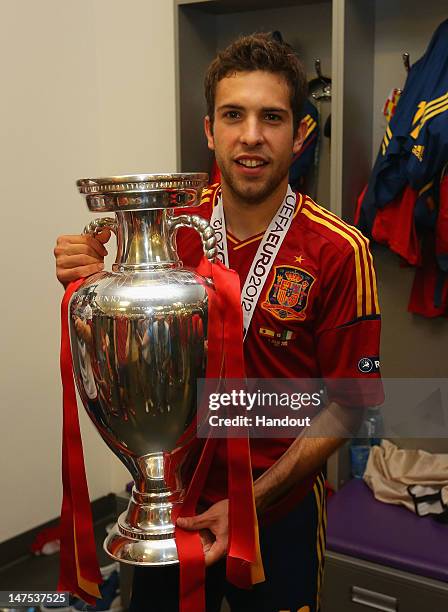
pixel 87 89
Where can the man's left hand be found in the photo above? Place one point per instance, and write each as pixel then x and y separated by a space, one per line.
pixel 213 527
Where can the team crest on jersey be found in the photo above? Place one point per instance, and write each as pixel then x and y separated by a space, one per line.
pixel 287 297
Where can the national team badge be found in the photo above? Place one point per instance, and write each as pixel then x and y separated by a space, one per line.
pixel 287 297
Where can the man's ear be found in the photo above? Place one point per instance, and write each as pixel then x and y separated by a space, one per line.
pixel 299 137
pixel 209 133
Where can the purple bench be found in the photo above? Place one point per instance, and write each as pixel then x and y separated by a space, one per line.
pixel 361 526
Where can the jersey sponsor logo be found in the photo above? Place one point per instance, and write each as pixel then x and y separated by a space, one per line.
pixel 369 365
pixel 287 297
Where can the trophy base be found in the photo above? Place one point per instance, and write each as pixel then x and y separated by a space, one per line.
pixel 136 551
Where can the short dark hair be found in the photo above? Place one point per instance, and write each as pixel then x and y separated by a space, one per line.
pixel 259 51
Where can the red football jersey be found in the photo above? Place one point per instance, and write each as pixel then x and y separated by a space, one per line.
pixel 326 330
pixel 442 222
pixel 394 226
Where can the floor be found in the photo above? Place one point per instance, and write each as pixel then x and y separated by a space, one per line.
pixel 34 573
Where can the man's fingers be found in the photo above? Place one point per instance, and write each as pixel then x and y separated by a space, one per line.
pixel 213 527
pixel 80 255
pixel 78 249
pixel 66 276
pixel 96 243
pixel 192 523
pixel 74 261
pixel 217 550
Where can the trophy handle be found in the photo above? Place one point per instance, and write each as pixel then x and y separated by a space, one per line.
pixel 98 225
pixel 202 226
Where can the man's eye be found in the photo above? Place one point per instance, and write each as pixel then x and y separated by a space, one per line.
pixel 272 117
pixel 232 115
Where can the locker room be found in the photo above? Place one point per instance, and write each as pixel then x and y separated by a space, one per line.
pixel 101 88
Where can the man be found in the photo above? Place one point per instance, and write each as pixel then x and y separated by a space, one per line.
pixel 310 310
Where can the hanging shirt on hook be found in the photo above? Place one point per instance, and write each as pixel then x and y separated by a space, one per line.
pixel 303 161
pixel 415 142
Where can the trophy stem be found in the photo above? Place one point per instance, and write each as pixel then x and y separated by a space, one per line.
pixel 144 533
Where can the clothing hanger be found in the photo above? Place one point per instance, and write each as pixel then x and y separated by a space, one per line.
pixel 407 66
pixel 406 61
pixel 277 35
pixel 319 88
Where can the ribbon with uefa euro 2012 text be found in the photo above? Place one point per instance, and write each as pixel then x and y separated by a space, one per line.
pixel 266 253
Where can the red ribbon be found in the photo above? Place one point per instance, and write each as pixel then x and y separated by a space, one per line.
pixel 225 358
pixel 79 570
pixel 189 544
pixel 242 548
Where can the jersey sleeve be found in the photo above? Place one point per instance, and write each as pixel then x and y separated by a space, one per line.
pixel 348 328
pixel 428 147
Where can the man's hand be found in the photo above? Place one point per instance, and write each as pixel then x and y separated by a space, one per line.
pixel 213 527
pixel 80 256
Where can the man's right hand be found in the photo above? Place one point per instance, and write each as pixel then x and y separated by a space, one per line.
pixel 80 256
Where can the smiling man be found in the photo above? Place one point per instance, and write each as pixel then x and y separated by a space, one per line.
pixel 310 310
pixel 253 135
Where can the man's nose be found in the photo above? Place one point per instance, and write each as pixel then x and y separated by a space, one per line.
pixel 252 133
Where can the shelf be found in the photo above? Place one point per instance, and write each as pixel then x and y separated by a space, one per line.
pixel 221 7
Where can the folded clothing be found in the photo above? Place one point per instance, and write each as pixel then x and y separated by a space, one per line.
pixel 392 473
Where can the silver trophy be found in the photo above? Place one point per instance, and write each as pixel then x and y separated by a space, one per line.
pixel 138 337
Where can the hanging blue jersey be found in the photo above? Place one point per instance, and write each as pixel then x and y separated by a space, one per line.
pixel 303 161
pixel 415 143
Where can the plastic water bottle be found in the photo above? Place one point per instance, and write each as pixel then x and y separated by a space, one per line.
pixel 375 426
pixel 369 434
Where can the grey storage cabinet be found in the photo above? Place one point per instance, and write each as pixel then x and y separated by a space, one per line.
pixel 354 585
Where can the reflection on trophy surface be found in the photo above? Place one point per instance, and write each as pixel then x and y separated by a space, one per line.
pixel 138 337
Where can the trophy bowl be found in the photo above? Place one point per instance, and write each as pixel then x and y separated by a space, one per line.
pixel 138 339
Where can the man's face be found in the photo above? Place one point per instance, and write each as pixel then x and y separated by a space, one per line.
pixel 252 135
